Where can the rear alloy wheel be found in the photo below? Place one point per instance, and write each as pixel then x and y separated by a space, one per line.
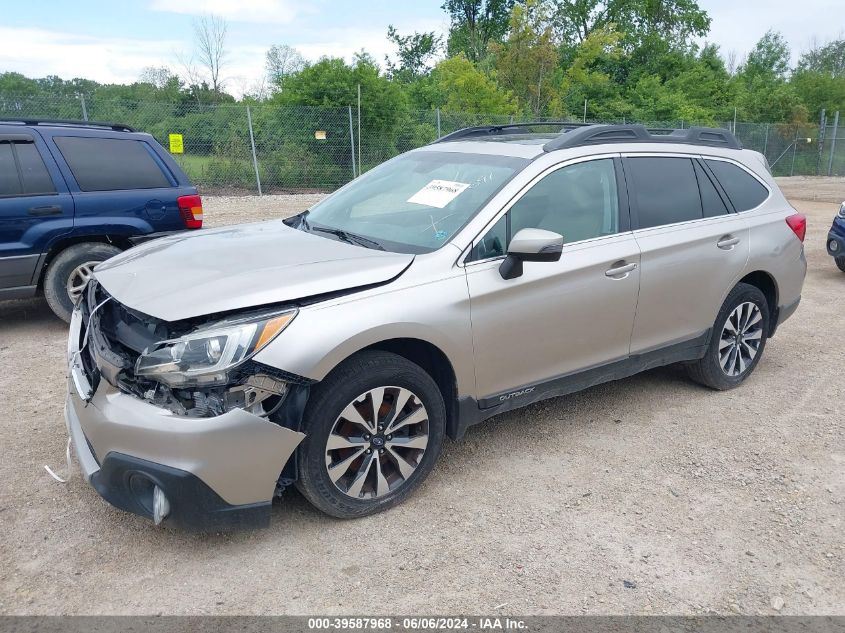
pixel 739 337
pixel 840 262
pixel 374 429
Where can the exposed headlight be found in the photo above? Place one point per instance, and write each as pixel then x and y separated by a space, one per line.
pixel 205 356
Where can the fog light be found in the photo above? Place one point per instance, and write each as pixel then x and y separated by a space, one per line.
pixel 833 245
pixel 161 506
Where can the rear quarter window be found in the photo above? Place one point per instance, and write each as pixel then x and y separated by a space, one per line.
pixel 111 164
pixel 744 190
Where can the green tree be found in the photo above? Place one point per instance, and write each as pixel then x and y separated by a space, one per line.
pixel 673 20
pixel 457 85
pixel 414 55
pixel 474 24
pixel 527 61
pixel 769 58
pixel 820 78
pixel 763 93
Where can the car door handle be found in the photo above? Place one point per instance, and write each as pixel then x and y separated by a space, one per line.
pixel 620 268
pixel 727 242
pixel 41 212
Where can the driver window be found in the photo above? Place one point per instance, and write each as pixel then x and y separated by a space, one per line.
pixel 579 201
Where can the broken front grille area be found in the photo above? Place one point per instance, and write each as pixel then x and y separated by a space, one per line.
pixel 118 335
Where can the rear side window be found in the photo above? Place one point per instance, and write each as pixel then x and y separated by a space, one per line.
pixel 34 176
pixel 10 184
pixel 110 164
pixel 745 191
pixel 665 190
pixel 711 201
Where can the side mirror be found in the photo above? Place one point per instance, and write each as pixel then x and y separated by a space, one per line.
pixel 530 245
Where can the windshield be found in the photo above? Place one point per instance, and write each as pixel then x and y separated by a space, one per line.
pixel 414 203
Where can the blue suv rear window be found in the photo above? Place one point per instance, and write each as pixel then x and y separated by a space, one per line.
pixel 110 164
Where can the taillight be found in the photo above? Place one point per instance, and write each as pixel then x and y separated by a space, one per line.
pixel 190 208
pixel 798 223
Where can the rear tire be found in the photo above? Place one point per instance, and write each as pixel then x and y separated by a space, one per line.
pixel 358 459
pixel 67 272
pixel 737 341
pixel 840 261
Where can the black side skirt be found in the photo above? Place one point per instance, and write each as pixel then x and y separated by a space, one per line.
pixel 471 412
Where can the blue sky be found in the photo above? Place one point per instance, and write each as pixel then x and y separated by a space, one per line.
pixel 113 41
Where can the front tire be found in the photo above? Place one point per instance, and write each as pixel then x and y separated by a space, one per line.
pixel 840 262
pixel 68 273
pixel 374 430
pixel 737 341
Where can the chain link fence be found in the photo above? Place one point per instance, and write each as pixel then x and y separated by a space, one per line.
pixel 235 148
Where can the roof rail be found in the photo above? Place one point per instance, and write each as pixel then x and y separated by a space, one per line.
pixel 602 134
pixel 117 127
pixel 504 128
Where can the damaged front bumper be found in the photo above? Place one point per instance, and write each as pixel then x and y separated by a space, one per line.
pixel 214 472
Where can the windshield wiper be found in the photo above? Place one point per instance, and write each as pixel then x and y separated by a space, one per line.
pixel 346 236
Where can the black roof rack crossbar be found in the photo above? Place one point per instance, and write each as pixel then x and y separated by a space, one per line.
pixel 601 134
pixel 117 127
pixel 504 128
pixel 580 134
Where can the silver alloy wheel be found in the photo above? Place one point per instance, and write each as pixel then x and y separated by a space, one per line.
pixel 740 339
pixel 79 278
pixel 377 442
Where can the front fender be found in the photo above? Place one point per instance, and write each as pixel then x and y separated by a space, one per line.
pixel 324 335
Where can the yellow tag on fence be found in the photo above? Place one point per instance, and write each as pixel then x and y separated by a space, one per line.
pixel 176 144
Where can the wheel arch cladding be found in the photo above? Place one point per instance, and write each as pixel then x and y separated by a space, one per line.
pixel 768 286
pixel 433 361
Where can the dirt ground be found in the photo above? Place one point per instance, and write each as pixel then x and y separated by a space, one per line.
pixel 649 495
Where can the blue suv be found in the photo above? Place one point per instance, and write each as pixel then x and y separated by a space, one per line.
pixel 73 194
pixel 836 239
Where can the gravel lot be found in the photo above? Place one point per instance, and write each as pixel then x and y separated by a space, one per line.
pixel 648 495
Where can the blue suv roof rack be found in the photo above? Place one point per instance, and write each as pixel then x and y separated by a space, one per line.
pixel 117 127
pixel 580 134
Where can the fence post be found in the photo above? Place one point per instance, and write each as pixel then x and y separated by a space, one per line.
pixel 360 166
pixel 833 143
pixel 352 142
pixel 766 141
pixel 794 147
pixel 822 130
pixel 84 109
pixel 439 134
pixel 252 143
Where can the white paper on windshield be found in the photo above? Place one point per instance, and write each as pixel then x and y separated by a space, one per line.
pixel 438 193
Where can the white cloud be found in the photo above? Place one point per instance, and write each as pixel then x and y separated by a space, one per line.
pixel 261 11
pixel 39 52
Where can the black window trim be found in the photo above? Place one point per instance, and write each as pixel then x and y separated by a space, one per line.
pixel 625 219
pixel 20 139
pixel 705 157
pixel 635 221
pixel 723 195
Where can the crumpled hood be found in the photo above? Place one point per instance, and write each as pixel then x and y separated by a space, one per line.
pixel 216 270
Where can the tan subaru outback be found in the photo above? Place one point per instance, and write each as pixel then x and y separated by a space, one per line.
pixel 335 350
